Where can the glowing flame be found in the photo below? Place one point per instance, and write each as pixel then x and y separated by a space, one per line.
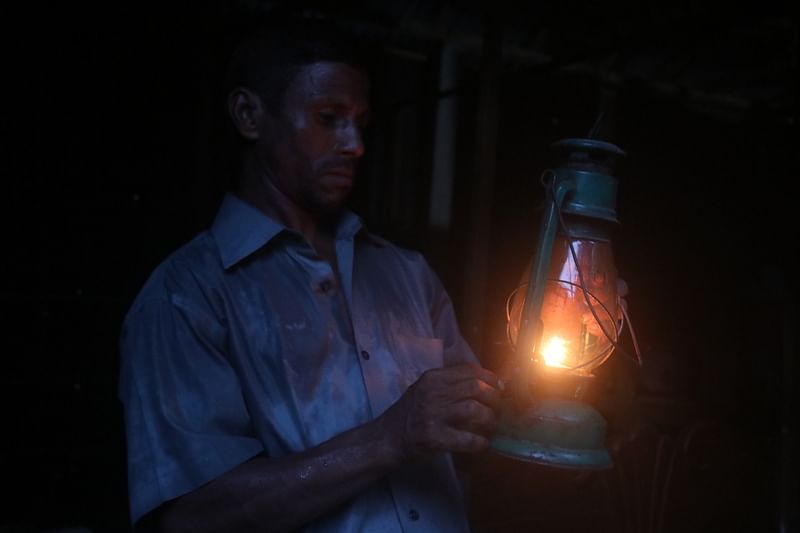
pixel 554 351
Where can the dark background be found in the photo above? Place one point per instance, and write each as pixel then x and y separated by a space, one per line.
pixel 115 158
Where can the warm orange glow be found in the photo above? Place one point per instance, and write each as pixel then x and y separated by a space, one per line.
pixel 578 308
pixel 554 351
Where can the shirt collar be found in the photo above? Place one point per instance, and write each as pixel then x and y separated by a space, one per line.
pixel 240 229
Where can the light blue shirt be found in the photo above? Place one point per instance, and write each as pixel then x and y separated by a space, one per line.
pixel 245 342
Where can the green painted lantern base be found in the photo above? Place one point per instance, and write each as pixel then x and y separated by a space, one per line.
pixel 554 432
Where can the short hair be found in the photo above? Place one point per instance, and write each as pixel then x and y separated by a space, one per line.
pixel 266 60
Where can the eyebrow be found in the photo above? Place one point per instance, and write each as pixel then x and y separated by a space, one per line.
pixel 339 103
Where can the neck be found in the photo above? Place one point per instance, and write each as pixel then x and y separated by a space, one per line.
pixel 256 188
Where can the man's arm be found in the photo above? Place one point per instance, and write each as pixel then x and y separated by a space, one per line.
pixel 448 409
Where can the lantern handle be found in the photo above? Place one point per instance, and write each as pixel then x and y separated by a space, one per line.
pixel 530 320
pixel 633 334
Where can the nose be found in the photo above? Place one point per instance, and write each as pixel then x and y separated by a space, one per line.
pixel 351 142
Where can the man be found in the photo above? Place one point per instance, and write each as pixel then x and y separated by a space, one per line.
pixel 287 368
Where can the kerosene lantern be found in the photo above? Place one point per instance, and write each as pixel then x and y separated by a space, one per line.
pixel 565 317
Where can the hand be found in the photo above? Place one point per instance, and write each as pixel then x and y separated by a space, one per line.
pixel 447 409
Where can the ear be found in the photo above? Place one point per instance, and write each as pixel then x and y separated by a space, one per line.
pixel 246 111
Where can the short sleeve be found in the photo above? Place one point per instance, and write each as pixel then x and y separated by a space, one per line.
pixel 445 324
pixel 186 419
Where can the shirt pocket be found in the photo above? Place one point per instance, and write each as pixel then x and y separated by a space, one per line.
pixel 416 354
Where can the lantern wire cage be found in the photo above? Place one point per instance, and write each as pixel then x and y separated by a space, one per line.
pixel 600 357
pixel 548 182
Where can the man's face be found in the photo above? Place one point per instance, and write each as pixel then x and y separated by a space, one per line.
pixel 310 146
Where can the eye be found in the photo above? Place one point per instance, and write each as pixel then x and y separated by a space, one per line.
pixel 327 116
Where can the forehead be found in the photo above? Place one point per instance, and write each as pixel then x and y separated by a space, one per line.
pixel 329 81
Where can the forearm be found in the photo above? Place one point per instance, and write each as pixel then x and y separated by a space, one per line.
pixel 449 409
pixel 282 494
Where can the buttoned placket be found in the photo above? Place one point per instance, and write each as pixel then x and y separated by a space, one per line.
pixel 410 518
pixel 417 509
pixel 345 255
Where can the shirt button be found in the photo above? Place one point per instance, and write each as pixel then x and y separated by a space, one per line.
pixel 413 515
pixel 365 354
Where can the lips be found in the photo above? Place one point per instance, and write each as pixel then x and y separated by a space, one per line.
pixel 340 172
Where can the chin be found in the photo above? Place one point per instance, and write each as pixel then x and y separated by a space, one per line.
pixel 329 207
pixel 331 204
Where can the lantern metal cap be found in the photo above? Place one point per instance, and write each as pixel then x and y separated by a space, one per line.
pixel 588 164
pixel 591 145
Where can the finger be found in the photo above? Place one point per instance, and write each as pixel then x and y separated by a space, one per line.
pixel 465 371
pixel 457 440
pixel 471 415
pixel 472 389
pixel 443 394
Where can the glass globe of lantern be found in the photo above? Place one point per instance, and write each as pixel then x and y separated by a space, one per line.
pixel 580 314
